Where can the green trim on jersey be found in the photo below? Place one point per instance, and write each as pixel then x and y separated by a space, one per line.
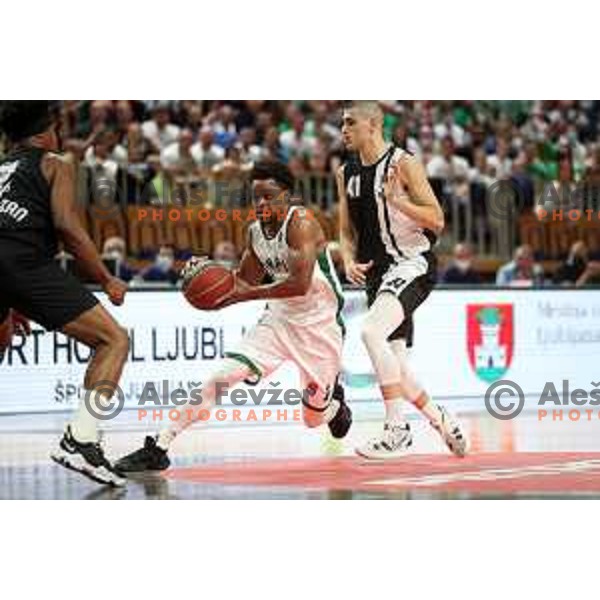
pixel 247 362
pixel 324 260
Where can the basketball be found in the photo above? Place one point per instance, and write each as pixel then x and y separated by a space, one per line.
pixel 206 288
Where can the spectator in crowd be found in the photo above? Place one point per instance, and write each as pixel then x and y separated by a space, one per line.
pixel 105 148
pixel 99 115
pixel 224 126
pixel 205 152
pixel 466 147
pixel 193 118
pixel 176 158
pixel 136 144
pixel 448 166
pixel 577 269
pixel 406 141
pixel 273 149
pixel 232 165
pixel 124 117
pixel 115 249
pixel 461 269
pixel 321 127
pixel 231 171
pixel 522 271
pixel 500 162
pixel 225 252
pixel 523 183
pixel 140 170
pixel 159 130
pixel 296 141
pixel 162 270
pixel 103 173
pixel 250 151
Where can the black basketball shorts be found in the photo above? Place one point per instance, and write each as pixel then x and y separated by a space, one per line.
pixel 42 292
pixel 411 280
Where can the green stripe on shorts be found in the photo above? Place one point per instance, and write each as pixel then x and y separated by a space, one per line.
pixel 324 260
pixel 242 358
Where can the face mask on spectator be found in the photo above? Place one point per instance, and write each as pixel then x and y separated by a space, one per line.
pixel 463 265
pixel 164 262
pixel 114 254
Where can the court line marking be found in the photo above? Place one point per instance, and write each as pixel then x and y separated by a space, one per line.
pixel 496 474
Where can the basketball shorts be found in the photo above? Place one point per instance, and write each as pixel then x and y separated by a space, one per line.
pixel 316 351
pixel 43 293
pixel 411 281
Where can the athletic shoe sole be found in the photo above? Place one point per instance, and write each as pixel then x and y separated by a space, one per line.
pixel 383 455
pixel 76 462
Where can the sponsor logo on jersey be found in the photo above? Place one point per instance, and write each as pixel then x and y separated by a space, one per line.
pixel 9 207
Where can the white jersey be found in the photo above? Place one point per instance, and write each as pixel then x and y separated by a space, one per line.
pixel 409 235
pixel 323 300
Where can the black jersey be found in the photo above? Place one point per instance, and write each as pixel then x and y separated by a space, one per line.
pixel 384 234
pixel 26 225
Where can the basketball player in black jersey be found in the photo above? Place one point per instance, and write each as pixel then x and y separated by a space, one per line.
pixel 389 222
pixel 37 210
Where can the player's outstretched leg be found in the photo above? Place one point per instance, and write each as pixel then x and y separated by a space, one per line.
pixel 440 419
pixel 153 455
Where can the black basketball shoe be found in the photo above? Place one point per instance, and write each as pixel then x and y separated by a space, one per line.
pixel 86 458
pixel 342 420
pixel 150 457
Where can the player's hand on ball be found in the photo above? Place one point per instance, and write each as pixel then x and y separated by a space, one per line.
pixel 357 272
pixel 192 267
pixel 235 295
pixel 115 289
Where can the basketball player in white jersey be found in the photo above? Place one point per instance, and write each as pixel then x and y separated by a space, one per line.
pixel 389 221
pixel 301 323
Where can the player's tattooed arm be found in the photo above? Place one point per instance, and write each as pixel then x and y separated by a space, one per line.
pixel 60 174
pixel 408 188
pixel 305 238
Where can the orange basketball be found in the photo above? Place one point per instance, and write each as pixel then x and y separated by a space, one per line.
pixel 208 286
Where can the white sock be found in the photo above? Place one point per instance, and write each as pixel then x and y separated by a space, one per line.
pixel 84 425
pixel 394 411
pixel 165 437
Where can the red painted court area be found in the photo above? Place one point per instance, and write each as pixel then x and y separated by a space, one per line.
pixel 502 473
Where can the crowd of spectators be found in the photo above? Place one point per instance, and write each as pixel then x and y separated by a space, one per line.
pixel 464 145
